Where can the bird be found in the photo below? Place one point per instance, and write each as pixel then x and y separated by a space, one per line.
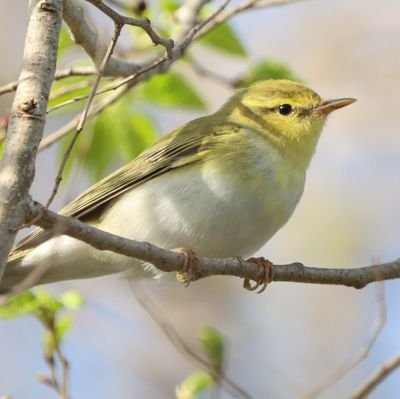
pixel 220 185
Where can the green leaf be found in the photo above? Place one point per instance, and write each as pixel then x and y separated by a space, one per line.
pixel 267 69
pixel 119 134
pixel 213 344
pixel 19 305
pixel 141 134
pixel 39 303
pixel 194 385
pixel 62 326
pixel 224 39
pixel 96 149
pixel 48 303
pixel 171 90
pixel 72 300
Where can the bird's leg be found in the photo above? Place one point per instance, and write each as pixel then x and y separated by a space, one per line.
pixel 185 276
pixel 264 275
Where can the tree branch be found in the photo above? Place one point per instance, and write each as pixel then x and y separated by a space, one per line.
pixel 354 360
pixel 171 261
pixel 72 124
pixel 384 371
pixel 88 37
pixel 60 74
pixel 144 23
pixel 245 6
pixel 27 117
pixel 160 65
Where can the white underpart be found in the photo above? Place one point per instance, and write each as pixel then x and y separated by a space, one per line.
pixel 207 211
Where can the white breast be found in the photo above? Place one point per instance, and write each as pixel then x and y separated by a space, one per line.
pixel 202 208
pixel 206 210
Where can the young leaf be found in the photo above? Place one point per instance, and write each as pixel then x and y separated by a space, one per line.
pixel 213 344
pixel 194 385
pixel 61 326
pixel 48 303
pixel 171 90
pixel 224 39
pixel 141 133
pixel 118 134
pixel 72 300
pixel 19 305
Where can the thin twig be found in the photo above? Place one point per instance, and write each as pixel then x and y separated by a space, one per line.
pixel 159 65
pixel 163 63
pixel 354 361
pixel 187 15
pixel 60 74
pixel 62 91
pixel 245 6
pixel 145 24
pixel 178 342
pixel 203 71
pixel 63 131
pixel 381 374
pixel 59 386
pixel 117 32
pixel 64 373
pixel 76 99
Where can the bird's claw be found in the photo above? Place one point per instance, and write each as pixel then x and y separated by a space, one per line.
pixel 264 275
pixel 185 276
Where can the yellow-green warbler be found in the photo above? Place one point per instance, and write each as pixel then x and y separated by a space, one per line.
pixel 221 185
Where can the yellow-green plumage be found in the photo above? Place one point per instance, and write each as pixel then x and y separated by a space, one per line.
pixel 220 185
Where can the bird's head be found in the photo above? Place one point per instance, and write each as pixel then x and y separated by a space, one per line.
pixel 287 113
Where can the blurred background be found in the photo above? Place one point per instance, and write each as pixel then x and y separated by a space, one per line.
pixel 282 343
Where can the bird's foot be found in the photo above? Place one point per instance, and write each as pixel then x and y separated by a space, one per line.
pixel 185 276
pixel 264 275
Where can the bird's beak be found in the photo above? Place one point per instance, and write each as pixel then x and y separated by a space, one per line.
pixel 331 105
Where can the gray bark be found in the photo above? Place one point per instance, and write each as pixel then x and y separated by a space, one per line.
pixel 27 118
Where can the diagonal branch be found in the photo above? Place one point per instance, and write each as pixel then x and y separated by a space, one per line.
pixel 352 362
pixel 384 371
pixel 247 5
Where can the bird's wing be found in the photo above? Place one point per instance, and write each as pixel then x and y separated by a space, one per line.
pixel 183 146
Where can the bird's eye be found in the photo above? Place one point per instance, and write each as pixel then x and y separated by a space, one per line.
pixel 285 109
